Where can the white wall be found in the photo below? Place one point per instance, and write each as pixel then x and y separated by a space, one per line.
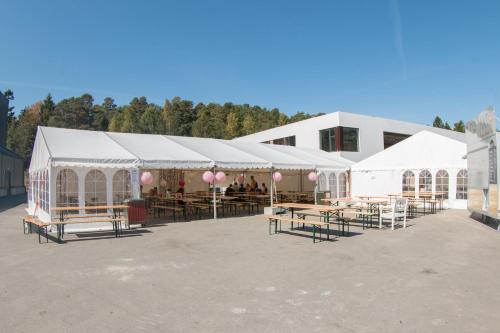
pixel 371 130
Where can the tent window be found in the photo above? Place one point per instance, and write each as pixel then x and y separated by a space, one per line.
pixel 122 189
pixel 408 183
pixel 332 179
pixel 67 188
pixel 425 181
pixel 462 184
pixel 36 189
pixel 322 182
pixel 95 188
pixel 342 185
pixel 44 191
pixel 442 184
pixel 30 188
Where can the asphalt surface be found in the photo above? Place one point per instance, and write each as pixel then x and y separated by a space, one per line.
pixel 441 274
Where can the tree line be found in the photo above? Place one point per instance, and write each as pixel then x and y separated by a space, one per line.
pixel 176 116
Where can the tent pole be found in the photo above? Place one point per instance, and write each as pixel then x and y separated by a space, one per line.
pixel 214 197
pixel 271 188
pixel 316 189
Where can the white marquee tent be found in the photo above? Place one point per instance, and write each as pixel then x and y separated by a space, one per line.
pixel 83 151
pixel 423 162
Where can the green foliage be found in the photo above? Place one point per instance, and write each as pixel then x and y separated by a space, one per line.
pixel 438 122
pixel 458 126
pixel 22 131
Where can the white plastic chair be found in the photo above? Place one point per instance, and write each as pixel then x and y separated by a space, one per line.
pixel 397 210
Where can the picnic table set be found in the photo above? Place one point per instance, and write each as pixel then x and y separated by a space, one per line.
pixel 344 211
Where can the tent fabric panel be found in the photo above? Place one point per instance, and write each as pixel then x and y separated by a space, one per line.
pixel 223 155
pixel 424 150
pixel 159 152
pixel 85 146
pixel 278 159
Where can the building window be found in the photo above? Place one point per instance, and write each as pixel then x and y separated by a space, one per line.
pixel 349 139
pixel 322 182
pixel 391 138
pixel 408 183
pixel 95 188
pixel 339 139
pixel 327 139
pixel 67 188
pixel 122 189
pixel 332 179
pixel 286 141
pixel 492 157
pixel 442 184
pixel 462 184
pixel 425 181
pixel 342 185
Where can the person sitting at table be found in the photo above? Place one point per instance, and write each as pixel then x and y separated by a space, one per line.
pixel 253 183
pixel 242 188
pixel 257 189
pixel 153 192
pixel 179 194
pixel 229 189
pixel 264 188
pixel 248 188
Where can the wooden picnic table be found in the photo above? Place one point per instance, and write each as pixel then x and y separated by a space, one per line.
pixel 63 219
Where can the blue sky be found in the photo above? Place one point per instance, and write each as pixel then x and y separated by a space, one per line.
pixel 408 60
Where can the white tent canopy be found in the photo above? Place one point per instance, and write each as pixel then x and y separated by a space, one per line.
pixel 79 148
pixel 424 150
pixel 424 162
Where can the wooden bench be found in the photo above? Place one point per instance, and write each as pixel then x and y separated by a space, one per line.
pixel 274 219
pixel 28 223
pixel 116 221
pixel 173 209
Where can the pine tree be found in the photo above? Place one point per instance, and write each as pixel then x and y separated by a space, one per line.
pixel 459 126
pixel 438 122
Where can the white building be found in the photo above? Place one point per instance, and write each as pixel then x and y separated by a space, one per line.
pixel 352 136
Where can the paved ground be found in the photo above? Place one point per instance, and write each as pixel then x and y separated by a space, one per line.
pixel 442 274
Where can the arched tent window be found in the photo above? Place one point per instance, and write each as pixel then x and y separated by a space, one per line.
pixel 66 188
pixel 122 189
pixel 425 181
pixel 342 185
pixel 462 184
pixel 442 184
pixel 322 182
pixel 332 180
pixel 408 183
pixel 95 188
pixel 44 190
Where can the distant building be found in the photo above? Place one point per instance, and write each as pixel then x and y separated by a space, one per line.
pixel 348 135
pixel 482 159
pixel 11 164
pixel 4 108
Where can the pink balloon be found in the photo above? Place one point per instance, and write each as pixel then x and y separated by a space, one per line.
pixel 220 177
pixel 147 178
pixel 277 176
pixel 241 179
pixel 208 177
pixel 182 183
pixel 312 176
